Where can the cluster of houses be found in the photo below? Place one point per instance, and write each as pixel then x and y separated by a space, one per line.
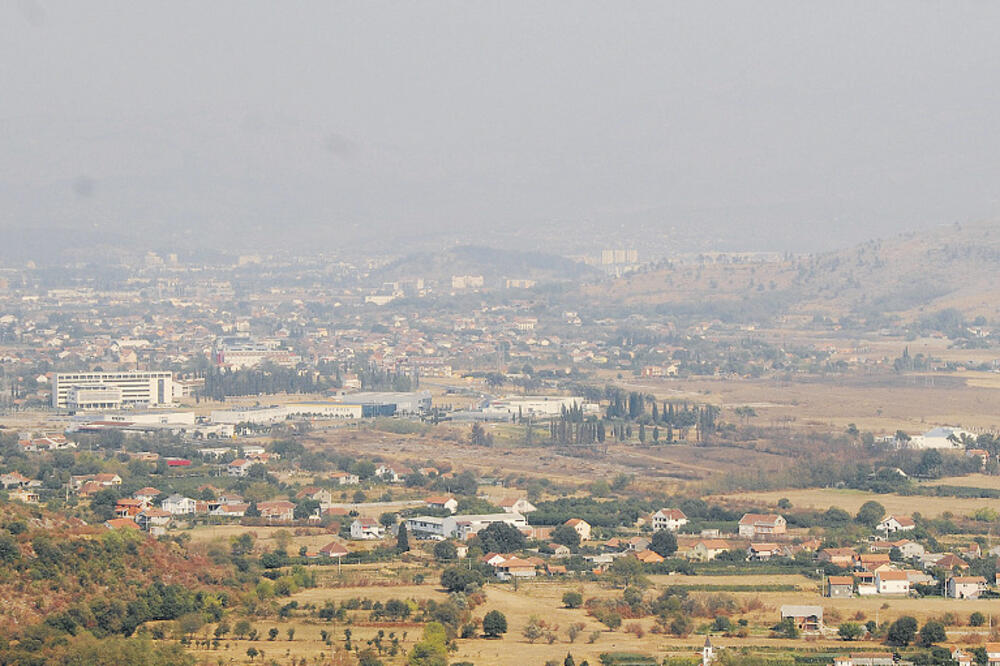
pixel 882 570
pixel 959 656
pixel 19 487
pixel 45 442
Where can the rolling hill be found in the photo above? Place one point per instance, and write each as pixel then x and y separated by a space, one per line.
pixel 907 277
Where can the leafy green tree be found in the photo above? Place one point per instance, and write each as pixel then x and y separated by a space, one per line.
pixel 786 628
pixel 459 579
pixel 611 619
pixel 494 624
pixel 627 571
pixel 870 514
pixel 387 519
pixel 663 543
pixel 432 649
pixel 977 619
pixel 572 599
pixel 306 508
pixel 445 550
pixel 567 536
pixel 272 633
pixel 241 629
pixel 402 540
pixel 931 633
pixel 722 623
pixel 500 538
pixel 902 632
pixel 850 631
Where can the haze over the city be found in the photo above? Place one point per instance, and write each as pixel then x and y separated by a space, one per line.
pixel 777 126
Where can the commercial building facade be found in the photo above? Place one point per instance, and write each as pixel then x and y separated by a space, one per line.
pixel 152 389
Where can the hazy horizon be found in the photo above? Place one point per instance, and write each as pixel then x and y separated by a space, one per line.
pixel 766 126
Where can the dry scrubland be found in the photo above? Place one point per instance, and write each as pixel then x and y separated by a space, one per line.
pixel 881 404
pixel 543 598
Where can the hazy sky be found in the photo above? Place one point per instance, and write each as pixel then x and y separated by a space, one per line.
pixel 790 124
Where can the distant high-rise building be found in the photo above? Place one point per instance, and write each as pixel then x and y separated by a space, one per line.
pixel 619 256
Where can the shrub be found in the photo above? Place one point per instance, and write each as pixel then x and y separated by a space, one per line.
pixel 495 624
pixel 850 631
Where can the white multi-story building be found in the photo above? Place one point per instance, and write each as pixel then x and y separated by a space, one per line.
pixel 178 505
pixel 137 388
pixel 82 398
pixel 432 527
pixel 245 353
pixel 471 524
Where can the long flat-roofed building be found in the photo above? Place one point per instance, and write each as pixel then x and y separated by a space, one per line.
pixel 151 389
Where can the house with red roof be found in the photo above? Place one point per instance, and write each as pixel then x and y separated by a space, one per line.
pixel 754 525
pixel 669 519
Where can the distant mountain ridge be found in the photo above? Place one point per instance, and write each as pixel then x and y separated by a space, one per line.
pixel 492 263
pixel 905 277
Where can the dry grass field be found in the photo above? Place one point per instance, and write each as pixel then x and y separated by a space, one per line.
pixel 851 501
pixel 969 481
pixel 914 403
pixel 543 599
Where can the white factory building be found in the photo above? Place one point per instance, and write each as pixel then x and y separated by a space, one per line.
pixel 539 406
pixel 110 390
pixel 276 413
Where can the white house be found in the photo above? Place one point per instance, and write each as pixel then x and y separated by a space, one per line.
pixel 759 552
pixel 391 473
pixel 965 587
pixel 277 510
pixel 230 510
pixel 515 567
pixel 517 505
pixel 893 524
pixel 14 480
pixel 366 528
pixel 178 505
pixel 581 526
pixel 239 467
pixel 909 549
pixel 707 549
pixel 892 582
pixel 669 519
pixel 942 437
pixel 442 502
pixel 333 550
pixel 345 479
pixel 753 525
pixel 153 520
